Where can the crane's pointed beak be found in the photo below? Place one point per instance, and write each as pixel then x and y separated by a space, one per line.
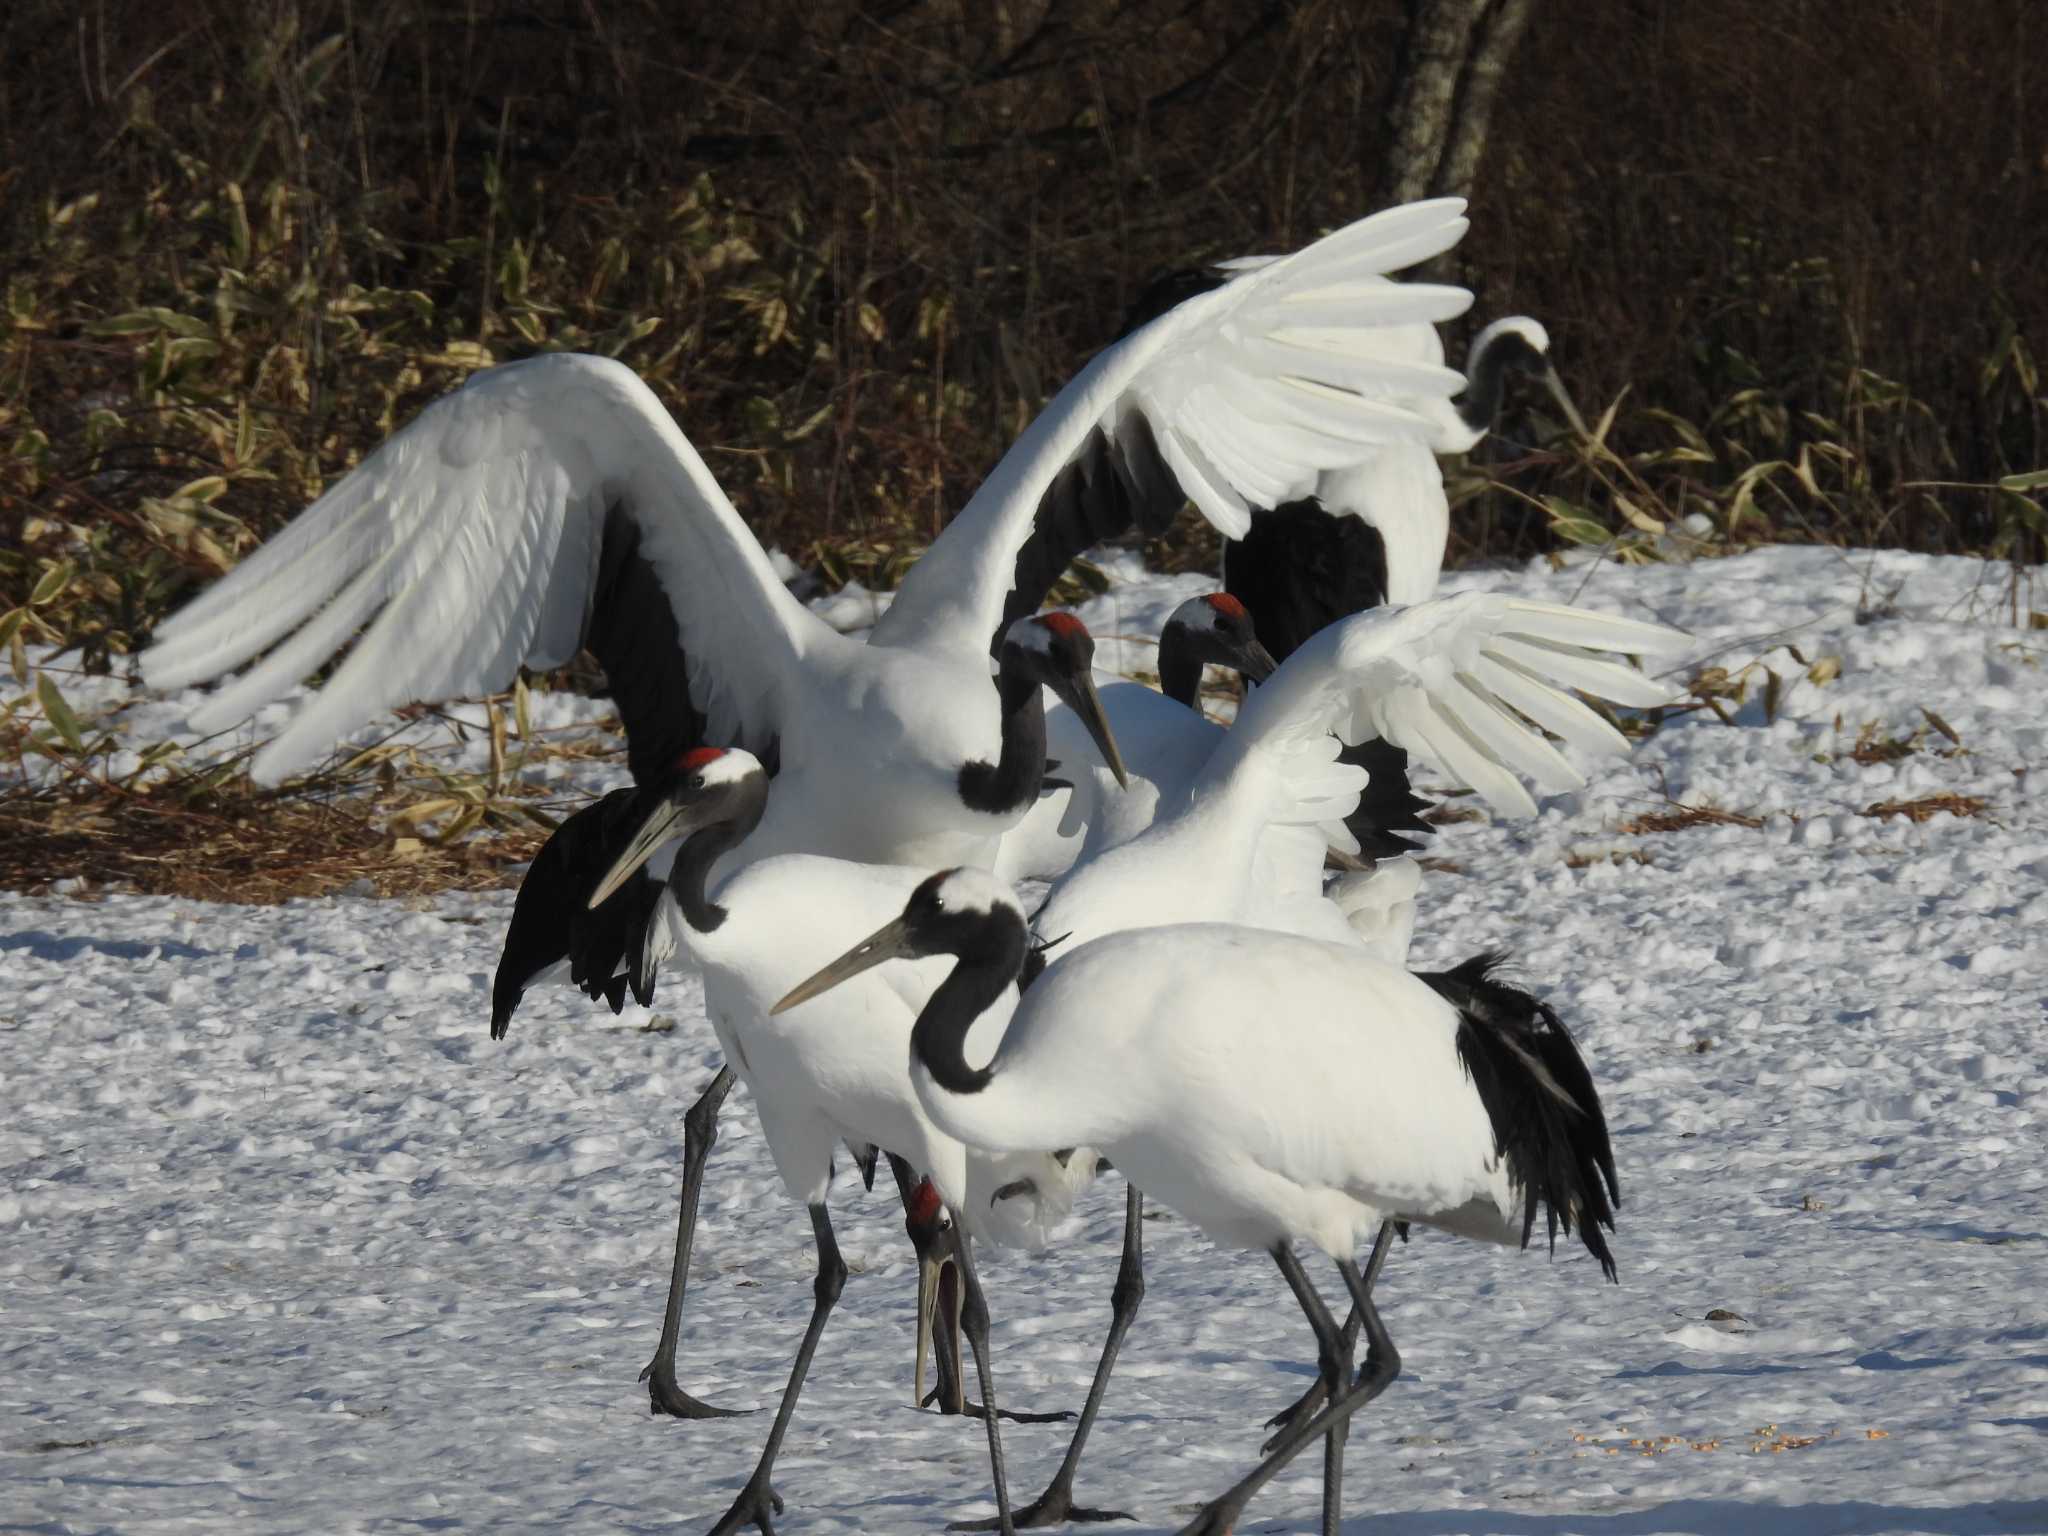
pixel 1565 403
pixel 929 1267
pixel 671 819
pixel 1253 660
pixel 889 942
pixel 1077 692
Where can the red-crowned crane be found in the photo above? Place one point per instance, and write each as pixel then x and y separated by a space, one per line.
pixel 1272 1089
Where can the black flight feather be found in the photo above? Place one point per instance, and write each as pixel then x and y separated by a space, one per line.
pixel 1546 1115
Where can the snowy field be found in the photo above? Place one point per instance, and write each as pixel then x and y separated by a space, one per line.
pixel 288 1244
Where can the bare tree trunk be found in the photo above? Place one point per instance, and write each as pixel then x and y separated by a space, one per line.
pixel 1453 60
pixel 1486 68
pixel 1425 95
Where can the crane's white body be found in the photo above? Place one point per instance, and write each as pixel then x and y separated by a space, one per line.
pixel 1266 1086
pixel 1241 828
pixel 838 1067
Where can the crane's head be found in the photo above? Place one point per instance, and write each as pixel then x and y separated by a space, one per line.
pixel 931 1234
pixel 1217 628
pixel 707 786
pixel 967 913
pixel 1517 344
pixel 1056 650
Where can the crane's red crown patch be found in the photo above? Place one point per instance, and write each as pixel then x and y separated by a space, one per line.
pixel 924 1203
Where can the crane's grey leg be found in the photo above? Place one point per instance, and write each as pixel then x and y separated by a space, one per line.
pixel 1383 1363
pixel 1056 1505
pixel 1318 1394
pixel 700 1130
pixel 1335 1381
pixel 974 1323
pixel 759 1500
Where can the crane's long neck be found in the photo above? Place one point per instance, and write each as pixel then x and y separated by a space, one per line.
pixel 1486 382
pixel 688 880
pixel 939 1040
pixel 1011 783
pixel 1180 669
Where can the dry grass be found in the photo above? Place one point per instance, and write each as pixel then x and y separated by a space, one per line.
pixel 1929 807
pixel 1873 748
pixel 256 849
pixel 1679 818
pixel 391 819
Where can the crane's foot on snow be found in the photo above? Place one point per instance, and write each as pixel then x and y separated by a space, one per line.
pixel 755 1506
pixel 1218 1519
pixel 1055 1506
pixel 970 1409
pixel 665 1396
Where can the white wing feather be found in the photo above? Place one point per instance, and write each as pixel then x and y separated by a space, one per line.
pixel 1460 682
pixel 1250 391
pixel 469 544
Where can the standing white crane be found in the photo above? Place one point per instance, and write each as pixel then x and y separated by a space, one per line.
pixel 836 1071
pixel 1270 1088
pixel 1241 832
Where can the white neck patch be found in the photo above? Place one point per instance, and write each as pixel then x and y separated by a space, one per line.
pixel 1528 328
pixel 1030 635
pixel 731 766
pixel 976 890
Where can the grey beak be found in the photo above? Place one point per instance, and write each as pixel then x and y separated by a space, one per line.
pixel 670 820
pixel 1254 661
pixel 889 942
pixel 1078 693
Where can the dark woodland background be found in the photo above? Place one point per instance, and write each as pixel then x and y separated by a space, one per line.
pixel 856 245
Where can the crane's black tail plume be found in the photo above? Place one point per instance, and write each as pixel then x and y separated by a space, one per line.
pixel 550 922
pixel 1547 1120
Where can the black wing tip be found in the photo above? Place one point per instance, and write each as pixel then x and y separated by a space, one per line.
pixel 1540 1097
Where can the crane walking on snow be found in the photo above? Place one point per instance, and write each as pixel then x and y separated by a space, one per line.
pixel 1241 838
pixel 1361 1092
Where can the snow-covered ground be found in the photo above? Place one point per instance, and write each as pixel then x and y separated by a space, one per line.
pixel 288 1244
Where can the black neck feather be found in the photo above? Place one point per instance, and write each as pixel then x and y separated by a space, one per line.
pixel 1486 379
pixel 1180 669
pixel 692 870
pixel 1012 782
pixel 986 967
pixel 1486 376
